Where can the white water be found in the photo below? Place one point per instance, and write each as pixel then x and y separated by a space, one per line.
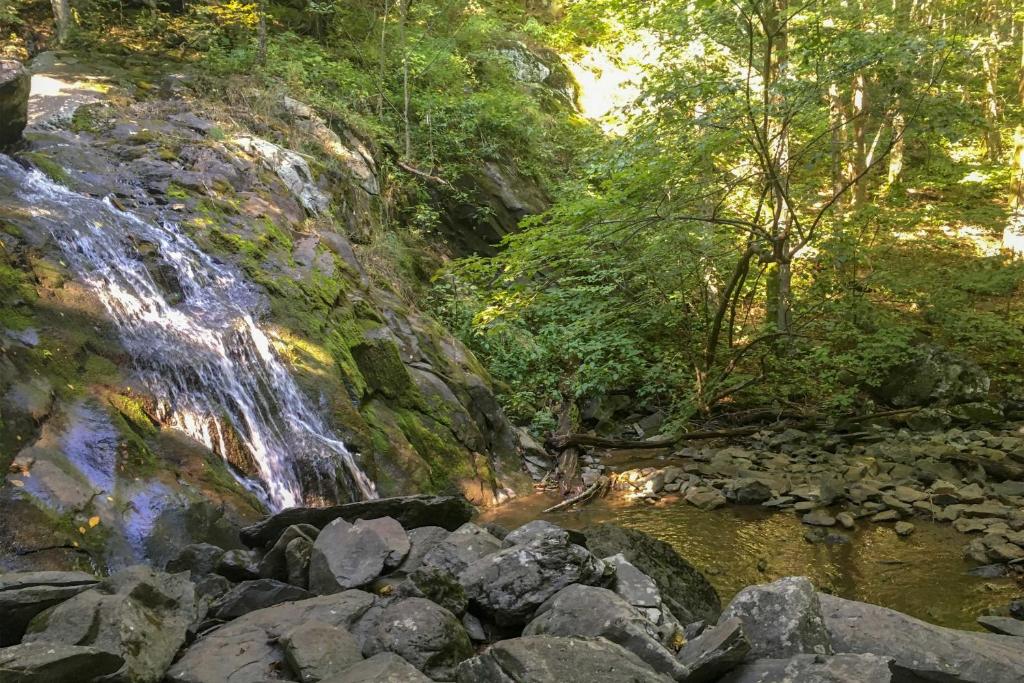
pixel 204 357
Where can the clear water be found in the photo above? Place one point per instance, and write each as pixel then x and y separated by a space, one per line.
pixel 922 575
pixel 198 349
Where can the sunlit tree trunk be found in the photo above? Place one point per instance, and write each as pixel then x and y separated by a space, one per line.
pixel 776 134
pixel 899 125
pixel 403 8
pixel 990 64
pixel 837 132
pixel 261 33
pixel 860 146
pixel 62 19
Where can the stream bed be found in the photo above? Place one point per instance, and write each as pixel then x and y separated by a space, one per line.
pixel 922 575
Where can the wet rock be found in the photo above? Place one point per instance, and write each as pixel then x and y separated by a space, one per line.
pixel 842 668
pixel 274 564
pixel 780 619
pixel 53 662
pixel 715 652
pixel 542 659
pixel 411 512
pixel 385 667
pixel 704 497
pixel 823 535
pixel 932 652
pixel 139 615
pixel 461 548
pixel 346 556
pixel 196 559
pixel 23 595
pixel 904 528
pixel 250 596
pixel 424 634
pixel 15 83
pixel 819 517
pixel 316 651
pixel 1007 626
pixel 438 586
pixel 248 649
pixel 421 541
pixel 684 590
pixel 291 168
pixel 590 611
pixel 238 565
pixel 509 585
pixel 748 492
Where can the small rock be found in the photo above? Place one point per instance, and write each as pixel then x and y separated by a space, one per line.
pixel 904 528
pixel 846 520
pixel 704 498
pixel 1006 626
pixel 886 516
pixel 819 517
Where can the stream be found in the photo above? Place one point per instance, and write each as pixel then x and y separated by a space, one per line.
pixel 923 575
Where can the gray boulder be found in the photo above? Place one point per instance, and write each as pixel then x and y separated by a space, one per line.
pixel 715 652
pixel 509 585
pixel 316 651
pixel 15 84
pixel 534 531
pixel 421 541
pixel 780 619
pixel 931 375
pixel 238 565
pixel 274 565
pixel 385 667
pixel 196 559
pixel 250 596
pixel 590 611
pixel 53 662
pixel 23 595
pixel 1007 626
pixel 393 535
pixel 820 669
pixel 249 648
pixel 931 652
pixel 346 556
pixel 411 512
pixel 297 556
pixel 685 591
pixel 435 585
pixel 424 634
pixel 461 548
pixel 138 614
pixel 748 492
pixel 543 659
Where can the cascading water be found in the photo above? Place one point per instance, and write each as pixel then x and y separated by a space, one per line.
pixel 206 360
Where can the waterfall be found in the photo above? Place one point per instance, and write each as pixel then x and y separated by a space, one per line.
pixel 199 351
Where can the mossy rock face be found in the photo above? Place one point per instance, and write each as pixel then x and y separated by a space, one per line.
pixel 379 363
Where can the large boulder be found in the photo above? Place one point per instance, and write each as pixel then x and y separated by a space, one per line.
pixel 137 614
pixel 684 590
pixel 932 375
pixel 23 595
pixel 386 667
pixel 781 619
pixel 421 541
pixel 250 648
pixel 542 659
pixel 508 586
pixel 250 596
pixel 715 652
pixel 819 669
pixel 15 84
pixel 461 548
pixel 346 556
pixel 274 564
pixel 591 611
pixel 316 651
pixel 196 559
pixel 424 634
pixel 411 512
pixel 931 652
pixel 53 662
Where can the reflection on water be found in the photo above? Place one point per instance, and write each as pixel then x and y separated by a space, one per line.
pixel 923 575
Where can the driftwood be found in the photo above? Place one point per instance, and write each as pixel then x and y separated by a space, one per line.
pixel 588 493
pixel 563 441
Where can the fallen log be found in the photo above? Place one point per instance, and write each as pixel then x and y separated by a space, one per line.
pixel 582 497
pixel 562 441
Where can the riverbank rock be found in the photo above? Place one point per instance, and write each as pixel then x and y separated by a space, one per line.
pixel 15 84
pixel 508 586
pixel 684 590
pixel 542 659
pixel 250 596
pixel 385 667
pixel 715 652
pixel 53 662
pixel 818 669
pixel 931 652
pixel 138 614
pixel 346 556
pixel 23 595
pixel 933 374
pixel 590 611
pixel 424 634
pixel 250 649
pixel 411 512
pixel 461 548
pixel 781 619
pixel 316 651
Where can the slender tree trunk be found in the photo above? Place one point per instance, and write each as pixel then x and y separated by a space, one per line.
pixel 383 62
pixel 899 125
pixel 860 147
pixel 837 126
pixel 990 64
pixel 403 18
pixel 62 19
pixel 776 64
pixel 261 33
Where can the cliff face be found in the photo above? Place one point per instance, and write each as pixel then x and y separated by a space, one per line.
pixel 293 204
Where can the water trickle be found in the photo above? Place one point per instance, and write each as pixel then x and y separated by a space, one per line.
pixel 210 365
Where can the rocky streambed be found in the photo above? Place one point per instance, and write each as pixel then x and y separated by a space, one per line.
pixel 412 589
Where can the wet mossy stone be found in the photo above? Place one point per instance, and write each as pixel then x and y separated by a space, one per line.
pixel 381 366
pixel 449 512
pixel 685 591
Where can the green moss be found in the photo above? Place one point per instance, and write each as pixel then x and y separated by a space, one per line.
pixel 444 456
pixel 132 411
pixel 51 168
pixel 87 119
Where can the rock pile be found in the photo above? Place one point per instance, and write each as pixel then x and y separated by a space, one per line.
pixel 972 479
pixel 368 599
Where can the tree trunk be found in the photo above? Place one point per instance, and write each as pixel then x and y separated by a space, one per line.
pixel 62 19
pixel 899 125
pixel 837 123
pixel 261 34
pixel 860 147
pixel 776 135
pixel 403 17
pixel 990 64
